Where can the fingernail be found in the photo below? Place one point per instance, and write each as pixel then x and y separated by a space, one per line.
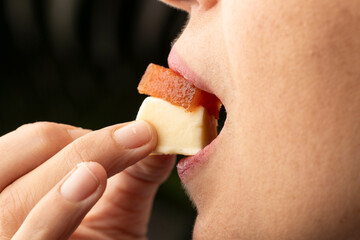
pixel 80 185
pixel 133 135
pixel 77 132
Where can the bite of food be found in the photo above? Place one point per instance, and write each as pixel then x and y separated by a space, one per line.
pixel 184 116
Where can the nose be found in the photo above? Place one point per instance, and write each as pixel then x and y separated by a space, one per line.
pixel 188 5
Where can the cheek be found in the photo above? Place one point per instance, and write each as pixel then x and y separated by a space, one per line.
pixel 294 160
pixel 268 41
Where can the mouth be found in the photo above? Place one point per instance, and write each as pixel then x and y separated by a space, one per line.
pixel 187 166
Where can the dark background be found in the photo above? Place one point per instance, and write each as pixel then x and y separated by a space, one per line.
pixel 79 62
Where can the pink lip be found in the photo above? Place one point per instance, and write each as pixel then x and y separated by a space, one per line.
pixel 177 64
pixel 186 165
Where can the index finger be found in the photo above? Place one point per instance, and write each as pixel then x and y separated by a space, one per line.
pixel 115 148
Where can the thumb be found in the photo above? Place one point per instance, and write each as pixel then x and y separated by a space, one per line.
pixel 59 212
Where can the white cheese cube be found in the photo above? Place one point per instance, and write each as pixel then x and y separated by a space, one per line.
pixel 179 131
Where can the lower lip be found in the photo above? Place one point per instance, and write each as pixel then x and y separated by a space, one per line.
pixel 187 165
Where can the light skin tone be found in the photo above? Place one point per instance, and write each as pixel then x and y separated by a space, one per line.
pixel 286 164
pixel 47 194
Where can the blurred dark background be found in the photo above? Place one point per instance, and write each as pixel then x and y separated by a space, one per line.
pixel 79 62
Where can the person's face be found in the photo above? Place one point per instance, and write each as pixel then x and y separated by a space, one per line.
pixel 287 163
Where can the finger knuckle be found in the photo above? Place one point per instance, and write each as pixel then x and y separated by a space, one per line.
pixel 49 134
pixel 78 152
pixel 33 125
pixel 45 128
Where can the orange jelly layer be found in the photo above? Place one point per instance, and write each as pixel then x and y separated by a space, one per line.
pixel 170 86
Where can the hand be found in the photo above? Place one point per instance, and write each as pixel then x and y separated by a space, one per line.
pixel 46 194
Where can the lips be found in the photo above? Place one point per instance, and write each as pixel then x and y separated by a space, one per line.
pixel 188 165
pixel 177 64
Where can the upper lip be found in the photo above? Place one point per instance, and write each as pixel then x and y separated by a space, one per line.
pixel 177 64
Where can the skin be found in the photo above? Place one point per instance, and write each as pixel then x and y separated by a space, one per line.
pixel 36 161
pixel 286 164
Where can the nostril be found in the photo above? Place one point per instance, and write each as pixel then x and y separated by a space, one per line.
pixel 222 119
